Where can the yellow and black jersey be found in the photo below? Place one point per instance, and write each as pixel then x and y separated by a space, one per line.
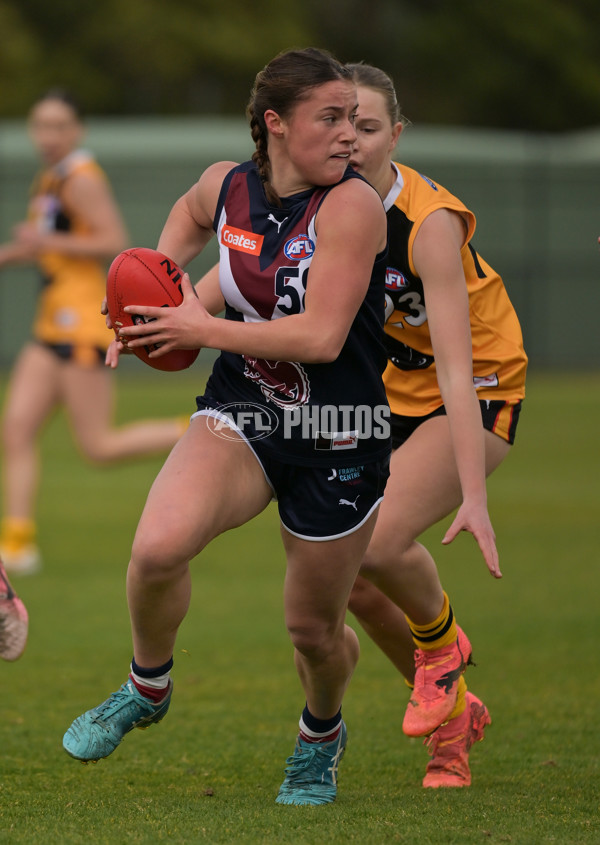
pixel 73 287
pixel 499 360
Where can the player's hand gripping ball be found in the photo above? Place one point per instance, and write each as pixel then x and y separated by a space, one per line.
pixel 142 276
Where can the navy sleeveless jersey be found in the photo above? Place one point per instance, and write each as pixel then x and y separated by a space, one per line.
pixel 318 414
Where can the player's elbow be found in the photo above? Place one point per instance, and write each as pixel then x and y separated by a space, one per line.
pixel 329 355
pixel 324 349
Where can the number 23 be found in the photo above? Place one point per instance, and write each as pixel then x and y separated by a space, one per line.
pixel 412 299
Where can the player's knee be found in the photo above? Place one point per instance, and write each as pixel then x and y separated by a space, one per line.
pixel 314 640
pixel 157 557
pixel 15 432
pixel 376 558
pixel 162 549
pixel 381 555
pixel 362 597
pixel 96 450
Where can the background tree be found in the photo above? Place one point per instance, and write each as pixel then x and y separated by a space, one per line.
pixel 526 64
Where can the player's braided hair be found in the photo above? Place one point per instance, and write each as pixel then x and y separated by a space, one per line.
pixel 279 86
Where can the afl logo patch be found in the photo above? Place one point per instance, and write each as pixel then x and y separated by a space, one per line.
pixel 394 280
pixel 429 182
pixel 298 248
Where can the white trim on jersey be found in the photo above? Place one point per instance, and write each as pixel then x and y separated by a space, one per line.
pixel 229 289
pixel 394 191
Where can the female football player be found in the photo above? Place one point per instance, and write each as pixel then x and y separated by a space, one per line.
pixel 73 229
pixel 298 230
pixel 455 360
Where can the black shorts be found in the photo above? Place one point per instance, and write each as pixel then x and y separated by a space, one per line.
pixel 319 502
pixel 498 416
pixel 86 356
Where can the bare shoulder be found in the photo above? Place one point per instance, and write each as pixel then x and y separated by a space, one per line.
pixel 82 186
pixel 444 222
pixel 214 175
pixel 354 192
pixel 203 195
pixel 356 204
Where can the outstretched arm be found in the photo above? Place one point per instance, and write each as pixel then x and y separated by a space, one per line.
pixel 13 252
pixel 91 200
pixel 437 259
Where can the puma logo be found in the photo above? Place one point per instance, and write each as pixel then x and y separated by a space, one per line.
pixel 347 502
pixel 276 222
pixel 447 681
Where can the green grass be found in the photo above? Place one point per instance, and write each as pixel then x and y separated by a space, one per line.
pixel 211 770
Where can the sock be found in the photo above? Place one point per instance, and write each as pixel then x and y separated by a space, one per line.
pixel 151 683
pixel 437 634
pixel 319 730
pixel 460 705
pixel 16 533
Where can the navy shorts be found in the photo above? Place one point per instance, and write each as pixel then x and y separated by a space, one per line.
pixel 498 416
pixel 324 503
pixel 318 502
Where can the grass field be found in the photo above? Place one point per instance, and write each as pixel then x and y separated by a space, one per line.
pixel 211 770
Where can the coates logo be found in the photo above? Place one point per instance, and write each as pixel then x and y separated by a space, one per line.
pixel 394 280
pixel 241 240
pixel 284 383
pixel 299 247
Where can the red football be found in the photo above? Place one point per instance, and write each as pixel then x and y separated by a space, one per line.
pixel 142 276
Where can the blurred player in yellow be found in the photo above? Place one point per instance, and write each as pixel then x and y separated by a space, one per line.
pixel 73 229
